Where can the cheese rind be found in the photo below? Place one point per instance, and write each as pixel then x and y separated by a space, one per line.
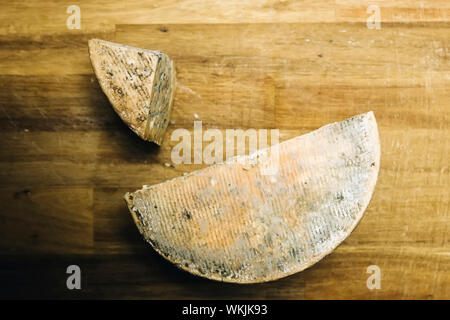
pixel 230 222
pixel 139 83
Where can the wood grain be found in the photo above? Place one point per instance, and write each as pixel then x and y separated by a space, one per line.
pixel 66 158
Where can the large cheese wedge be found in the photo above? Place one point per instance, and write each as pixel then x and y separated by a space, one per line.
pixel 139 83
pixel 232 222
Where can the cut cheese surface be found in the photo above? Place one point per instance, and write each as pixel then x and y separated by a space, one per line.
pixel 139 83
pixel 234 222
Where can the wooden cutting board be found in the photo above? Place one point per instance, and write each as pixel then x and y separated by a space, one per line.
pixel 67 159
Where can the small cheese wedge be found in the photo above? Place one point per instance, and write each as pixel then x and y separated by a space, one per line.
pixel 139 83
pixel 234 222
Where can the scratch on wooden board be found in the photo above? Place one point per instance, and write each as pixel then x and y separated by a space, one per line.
pixel 188 90
pixel 10 120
